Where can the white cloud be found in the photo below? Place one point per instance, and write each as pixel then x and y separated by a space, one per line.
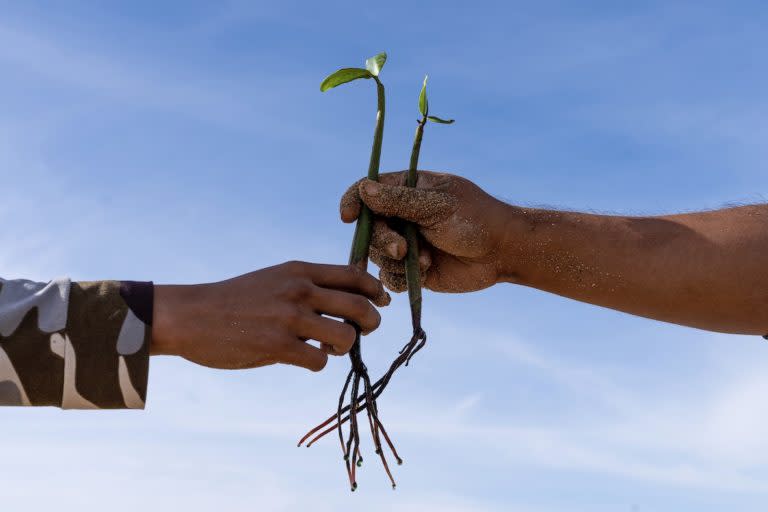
pixel 159 85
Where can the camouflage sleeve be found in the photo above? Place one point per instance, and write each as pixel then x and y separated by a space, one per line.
pixel 75 345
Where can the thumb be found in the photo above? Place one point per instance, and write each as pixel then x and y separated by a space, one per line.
pixel 420 205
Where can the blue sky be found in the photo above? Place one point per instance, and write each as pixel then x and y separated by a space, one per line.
pixel 188 142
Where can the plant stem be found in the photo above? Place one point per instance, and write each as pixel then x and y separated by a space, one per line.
pixel 358 256
pixel 362 240
pixel 411 232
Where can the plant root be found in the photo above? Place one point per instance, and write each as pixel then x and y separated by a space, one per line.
pixel 365 401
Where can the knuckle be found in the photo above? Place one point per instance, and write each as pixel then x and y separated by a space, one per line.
pixel 293 266
pixel 355 272
pixel 297 290
pixel 302 289
pixel 291 316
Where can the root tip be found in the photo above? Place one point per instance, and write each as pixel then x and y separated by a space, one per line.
pixel 399 461
pixel 360 463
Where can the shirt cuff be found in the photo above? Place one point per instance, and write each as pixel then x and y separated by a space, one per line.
pixel 105 345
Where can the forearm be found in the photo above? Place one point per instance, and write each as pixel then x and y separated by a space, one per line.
pixel 704 270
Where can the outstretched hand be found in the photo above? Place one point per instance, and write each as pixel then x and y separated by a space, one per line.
pixel 267 316
pixel 461 226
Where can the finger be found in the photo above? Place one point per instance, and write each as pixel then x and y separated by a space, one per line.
pixel 335 337
pixel 420 205
pixel 349 278
pixel 350 203
pixel 386 263
pixel 388 240
pixel 305 355
pixel 348 306
pixel 397 282
pixel 393 178
pixel 425 259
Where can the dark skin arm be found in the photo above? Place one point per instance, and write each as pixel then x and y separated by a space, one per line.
pixel 267 316
pixel 706 270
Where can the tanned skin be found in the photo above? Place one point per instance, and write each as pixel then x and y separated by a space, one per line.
pixel 267 316
pixel 706 270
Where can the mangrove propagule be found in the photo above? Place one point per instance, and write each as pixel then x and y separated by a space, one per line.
pixel 358 372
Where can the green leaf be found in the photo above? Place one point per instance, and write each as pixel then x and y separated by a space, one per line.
pixel 343 76
pixel 375 63
pixel 436 119
pixel 423 103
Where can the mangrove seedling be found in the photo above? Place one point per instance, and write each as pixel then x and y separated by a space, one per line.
pixel 418 338
pixel 359 257
pixel 411 233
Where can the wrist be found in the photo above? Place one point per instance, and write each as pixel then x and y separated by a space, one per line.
pixel 515 240
pixel 171 302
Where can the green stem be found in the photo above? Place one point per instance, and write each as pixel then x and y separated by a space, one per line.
pixel 359 253
pixel 411 232
pixel 358 256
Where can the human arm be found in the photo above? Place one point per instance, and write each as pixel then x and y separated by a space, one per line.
pixel 704 269
pixel 87 344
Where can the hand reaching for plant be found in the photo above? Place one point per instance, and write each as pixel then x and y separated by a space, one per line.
pixel 462 228
pixel 267 316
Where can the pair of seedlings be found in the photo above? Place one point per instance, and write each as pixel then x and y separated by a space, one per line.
pixel 358 373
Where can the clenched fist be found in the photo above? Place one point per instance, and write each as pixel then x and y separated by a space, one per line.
pixel 462 229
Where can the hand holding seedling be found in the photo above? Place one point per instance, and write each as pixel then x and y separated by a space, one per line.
pixel 267 316
pixel 704 269
pixel 462 229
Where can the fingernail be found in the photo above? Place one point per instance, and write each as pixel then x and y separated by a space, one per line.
pixel 392 250
pixel 372 188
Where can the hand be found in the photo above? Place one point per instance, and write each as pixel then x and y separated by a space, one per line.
pixel 267 316
pixel 462 229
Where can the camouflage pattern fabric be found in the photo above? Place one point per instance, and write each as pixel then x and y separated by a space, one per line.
pixel 75 345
